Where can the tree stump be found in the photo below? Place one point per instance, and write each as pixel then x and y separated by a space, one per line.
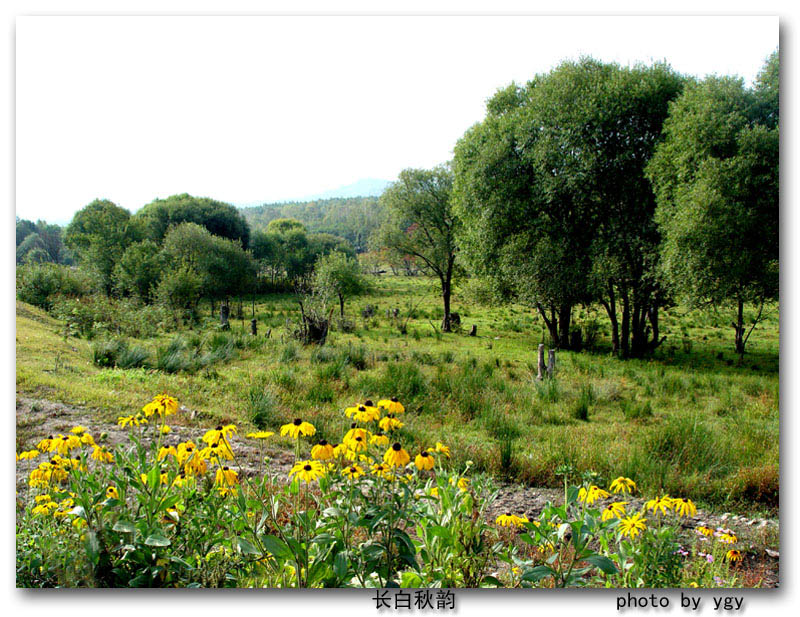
pixel 269 333
pixel 473 331
pixel 551 362
pixel 224 315
pixel 254 327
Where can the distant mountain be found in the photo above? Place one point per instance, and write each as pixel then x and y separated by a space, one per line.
pixel 367 187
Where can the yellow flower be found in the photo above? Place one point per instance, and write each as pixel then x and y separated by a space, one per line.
pixel 734 555
pixel 297 428
pixel 593 494
pixel 632 525
pixel 322 451
pixel 226 477
pixel 184 451
pixel 424 460
pixel 219 434
pixel 511 520
pixel 363 413
pixel 462 483
pixel 163 405
pixel 308 471
pixel 166 451
pixel 661 504
pixel 706 531
pixel 29 455
pixel 694 585
pixel 220 451
pixel 356 443
pixel 614 510
pixel 165 430
pixel 727 538
pixel 42 498
pixel 435 492
pixel 389 423
pixel 78 430
pixel 66 443
pixel 260 435
pixel 440 447
pixel 45 509
pixel 101 454
pixel 379 469
pixel 379 439
pixel 112 493
pixel 131 421
pixel 623 485
pixel 684 507
pixel 396 456
pixel 44 444
pixel 353 472
pixel 392 405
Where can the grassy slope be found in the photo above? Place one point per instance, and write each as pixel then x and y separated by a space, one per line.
pixel 706 427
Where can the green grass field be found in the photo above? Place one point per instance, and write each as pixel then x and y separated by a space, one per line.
pixel 691 420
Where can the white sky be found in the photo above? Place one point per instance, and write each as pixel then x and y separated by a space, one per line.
pixel 254 109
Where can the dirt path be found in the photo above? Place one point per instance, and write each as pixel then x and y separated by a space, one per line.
pixel 38 418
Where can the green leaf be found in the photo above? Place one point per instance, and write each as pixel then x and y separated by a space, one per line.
pixel 604 563
pixel 276 547
pixel 156 539
pixel 340 565
pixel 247 548
pixel 124 527
pixel 534 575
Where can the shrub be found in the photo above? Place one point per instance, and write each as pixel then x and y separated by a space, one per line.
pixel 40 284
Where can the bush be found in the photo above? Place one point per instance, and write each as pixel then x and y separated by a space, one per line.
pixel 40 284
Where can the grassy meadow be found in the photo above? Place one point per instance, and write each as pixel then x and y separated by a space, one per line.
pixel 691 420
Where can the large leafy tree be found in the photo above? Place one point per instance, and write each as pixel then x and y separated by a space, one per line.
pixel 219 218
pixel 139 270
pixel 551 191
pixel 716 180
pixel 340 275
pixel 99 234
pixel 422 224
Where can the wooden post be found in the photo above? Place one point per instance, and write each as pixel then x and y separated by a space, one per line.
pixel 551 362
pixel 473 330
pixel 254 327
pixel 541 364
pixel 224 315
pixel 269 333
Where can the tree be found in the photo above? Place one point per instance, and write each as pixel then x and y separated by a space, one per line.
pixel 422 224
pixel 100 233
pixel 716 182
pixel 219 218
pixel 340 275
pixel 139 269
pixel 554 202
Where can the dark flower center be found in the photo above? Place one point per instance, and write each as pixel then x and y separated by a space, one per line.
pixel 323 443
pixel 368 403
pixel 508 513
pixel 219 427
pixel 297 422
pixel 225 468
pixel 396 446
pixel 352 470
pixel 358 438
pixel 390 415
pixel 353 425
pixel 64 438
pixel 307 467
pixel 393 399
pixel 362 408
pixel 424 454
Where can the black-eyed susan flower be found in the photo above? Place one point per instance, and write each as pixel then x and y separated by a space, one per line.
pixel 353 472
pixel 614 510
pixel 379 439
pixel 389 423
pixel 322 451
pixel 28 455
pixel 297 428
pixel 78 430
pixel 356 439
pixel 363 413
pixel 592 494
pixel 165 430
pixel 726 537
pixel 162 405
pixel 659 504
pixel 112 493
pixel 260 434
pixel 381 469
pixel 733 555
pixel 704 531
pixel 100 453
pixel 219 434
pixel 511 520
pixel 226 477
pixel 185 450
pixel 684 507
pixel 632 525
pixel 396 456
pixel 622 485
pixel 66 443
pixel 424 461
pixel 44 444
pixel 441 449
pixel 392 405
pixel 131 421
pixel 308 471
pixel 166 451
pixel 461 483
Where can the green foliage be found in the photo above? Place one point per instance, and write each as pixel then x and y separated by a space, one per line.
pixel 117 353
pixel 336 274
pixel 139 270
pixel 42 284
pixel 40 242
pixel 219 218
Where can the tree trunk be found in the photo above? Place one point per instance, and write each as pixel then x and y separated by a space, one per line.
pixel 626 324
pixel 551 323
pixel 611 309
pixel 739 328
pixel 564 318
pixel 341 306
pixel 446 299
